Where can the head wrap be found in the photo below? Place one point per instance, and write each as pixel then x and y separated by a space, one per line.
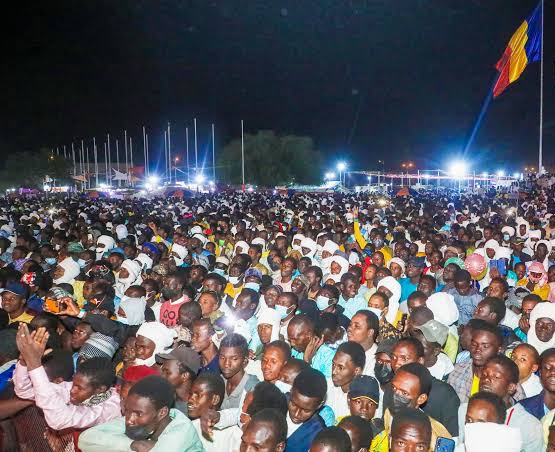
pixel 121 231
pixel 541 310
pixel 311 245
pixel 390 283
pixel 162 337
pixel 455 260
pixel 400 262
pixel 98 346
pixel 270 317
pixel 108 243
pixel 481 436
pixel 537 267
pixel 134 270
pixel 508 230
pixel 145 261
pixel 135 373
pixel 444 308
pixel 243 245
pixel 71 271
pixel 134 309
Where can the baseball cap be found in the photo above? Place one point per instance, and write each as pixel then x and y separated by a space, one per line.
pixel 18 288
pixel 434 331
pixel 185 355
pixel 416 262
pixel 386 346
pixel 365 386
pixel 222 260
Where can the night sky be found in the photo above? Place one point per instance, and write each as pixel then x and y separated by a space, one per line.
pixel 373 79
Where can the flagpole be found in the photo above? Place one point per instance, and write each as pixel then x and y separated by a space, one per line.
pixel 169 153
pixel 95 162
pixel 540 150
pixel 144 152
pixel 196 155
pixel 131 165
pixel 82 162
pixel 65 155
pixel 88 169
pixel 109 161
pixel 147 159
pixel 213 157
pixel 187 152
pixel 165 152
pixel 117 159
pixel 106 161
pixel 243 153
pixel 73 153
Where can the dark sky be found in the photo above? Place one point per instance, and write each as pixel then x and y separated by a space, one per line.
pixel 371 79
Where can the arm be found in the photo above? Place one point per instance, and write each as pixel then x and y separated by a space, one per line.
pixel 358 235
pixel 108 327
pixel 109 436
pixel 22 383
pixel 12 406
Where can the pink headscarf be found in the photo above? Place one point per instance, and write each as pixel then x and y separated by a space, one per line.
pixel 537 267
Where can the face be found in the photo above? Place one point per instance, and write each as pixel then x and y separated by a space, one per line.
pixel 82 389
pixel 363 407
pixel 201 399
pixel 140 412
pixel 483 346
pixel 80 334
pixel 408 385
pixel 415 302
pixel 350 289
pixel 463 287
pixel 480 411
pixel 287 268
pixel 370 273
pixel 265 332
pixel 207 304
pixel 403 353
pixel 288 374
pixel 547 374
pixel 129 350
pixel 378 259
pixel 270 297
pixel 170 371
pixel 201 338
pixel 412 271
pixel 358 330
pixel 260 437
pixel 483 312
pixel 527 307
pixel 377 302
pixel 396 270
pixel 494 379
pixel 409 437
pixel 520 271
pixel 343 369
pixel 231 361
pixel 299 336
pixel 272 363
pixel 496 289
pixel 144 348
pixel 12 302
pixel 426 286
pixel 301 408
pixel 545 328
pixel 525 360
pixel 449 273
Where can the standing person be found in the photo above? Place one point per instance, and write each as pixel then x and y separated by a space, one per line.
pixel 202 343
pixel 174 296
pixel 363 329
pixel 149 423
pixel 466 297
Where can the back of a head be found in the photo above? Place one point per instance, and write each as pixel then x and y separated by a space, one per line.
pixel 58 364
pixel 311 383
pixel 157 389
pixel 99 371
pixel 414 343
pixel 214 382
pixel 494 401
pixel 303 320
pixel 362 426
pixel 275 419
pixel 411 417
pixel 267 395
pixel 420 315
pixel 334 438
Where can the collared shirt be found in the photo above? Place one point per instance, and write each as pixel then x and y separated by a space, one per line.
pixel 212 366
pixel 25 318
pixel 353 305
pixel 461 380
pixel 370 360
pixel 246 384
pixel 322 359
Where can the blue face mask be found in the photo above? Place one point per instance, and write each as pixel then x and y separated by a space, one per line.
pixel 82 263
pixel 506 237
pixel 322 302
pixel 51 260
pixel 221 272
pixel 252 285
pixel 281 310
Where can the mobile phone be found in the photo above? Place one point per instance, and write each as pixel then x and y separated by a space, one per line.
pixel 444 445
pixel 52 305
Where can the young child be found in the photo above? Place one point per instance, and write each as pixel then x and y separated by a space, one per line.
pixel 527 359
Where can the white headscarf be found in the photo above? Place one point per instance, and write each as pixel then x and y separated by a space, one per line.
pixel 330 246
pixel 311 245
pixel 341 261
pixel 181 252
pixel 71 271
pixel 145 261
pixel 270 317
pixel 544 309
pixel 134 309
pixel 492 245
pixel 299 237
pixel 444 308
pixel 400 262
pixel 121 231
pixel 162 337
pixel 108 242
pixel 482 436
pixel 389 282
pixel 244 247
pixel 134 270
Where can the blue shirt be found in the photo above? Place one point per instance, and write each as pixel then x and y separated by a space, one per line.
pixel 322 360
pixel 466 304
pixel 352 305
pixel 406 288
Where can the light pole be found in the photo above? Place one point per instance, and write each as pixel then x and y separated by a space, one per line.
pixel 341 167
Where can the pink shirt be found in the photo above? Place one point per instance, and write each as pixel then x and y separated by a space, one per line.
pixel 53 399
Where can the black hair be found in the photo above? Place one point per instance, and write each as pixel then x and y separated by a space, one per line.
pixel 417 294
pixel 205 322
pixel 303 319
pixel 235 340
pixel 532 297
pixel 293 298
pixel 421 315
pixel 383 296
pixel 335 437
pixel 58 363
pixel 349 277
pixel 326 321
pixel 157 389
pixel 429 278
pixel 508 364
pixel 422 373
pixel 214 382
pixel 357 271
pixel 283 346
pixel 546 355
pixel 372 321
pixel 267 395
pixel 99 371
pixel 215 296
pixel 192 308
pixel 317 271
pixel 412 416
pixel 489 328
pixel 355 351
pixel 462 276
pixel 189 292
pixel 180 276
pixel 8 350
pixel 276 419
pixel 334 290
pixel 493 399
pixel 497 306
pixel 311 383
pixel 501 281
pixel 415 343
pixel 45 319
pixel 364 428
pixel 298 364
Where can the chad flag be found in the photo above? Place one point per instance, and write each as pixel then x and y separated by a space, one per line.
pixel 524 47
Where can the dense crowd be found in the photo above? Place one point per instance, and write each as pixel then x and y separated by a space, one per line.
pixel 258 322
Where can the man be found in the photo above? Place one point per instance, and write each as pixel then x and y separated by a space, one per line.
pixel 359 431
pixel 286 306
pixel 348 363
pixel 410 388
pixel 364 397
pixel 303 422
pixel 363 329
pixel 331 439
pixel 14 298
pixel 180 368
pixel 433 335
pixel 442 402
pixel 492 310
pixel 88 400
pixel 486 342
pixel 309 347
pixel 255 253
pixel 207 393
pixel 527 360
pixel 202 343
pixel 500 376
pixel 174 297
pixel 539 405
pixel 274 358
pixel 149 423
pixel 315 276
pixel 285 279
pixel 233 358
pixel 410 430
pixel 485 407
pixel 466 297
pixel 529 302
pixel 350 300
pixel 413 272
pixel 266 432
pixel 245 307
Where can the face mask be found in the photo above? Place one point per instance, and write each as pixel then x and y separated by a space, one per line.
pixel 376 311
pixel 383 373
pixel 149 362
pixel 395 402
pixel 178 261
pixel 322 302
pixel 221 242
pixel 283 387
pixel 234 280
pixel 57 247
pixel 168 293
pixel 273 266
pixel 221 272
pixel 82 263
pixel 282 311
pixel 122 320
pixel 137 433
pixel 99 250
pixel 252 285
pixel 378 244
pixel 506 237
pixel 51 260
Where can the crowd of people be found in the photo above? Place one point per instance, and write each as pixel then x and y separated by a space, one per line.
pixel 260 322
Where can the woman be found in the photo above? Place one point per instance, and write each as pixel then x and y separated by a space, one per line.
pixel 338 266
pixel 542 327
pixel 390 287
pixel 536 282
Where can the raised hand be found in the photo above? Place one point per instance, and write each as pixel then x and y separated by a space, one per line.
pixel 31 345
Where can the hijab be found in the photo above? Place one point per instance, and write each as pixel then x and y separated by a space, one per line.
pixel 390 283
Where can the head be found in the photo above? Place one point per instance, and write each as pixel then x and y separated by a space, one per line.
pixel 427 285
pixel 291 369
pixel 359 431
pixel 547 370
pixel 274 358
pixel 363 328
pixel 189 313
pixel 409 388
pixel 498 288
pixel 207 393
pixel 407 350
pixel 485 407
pixel 93 376
pixel 201 339
pixel 491 310
pixel 411 430
pixel 301 330
pixel 266 432
pixel 233 356
pixel 264 395
pixel 347 364
pixel 307 395
pixel 331 439
pixel 363 397
pixel 527 360
pixel 486 343
pixel 500 376
pixel 462 281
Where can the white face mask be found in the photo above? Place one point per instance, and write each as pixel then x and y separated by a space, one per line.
pixel 178 261
pixel 234 280
pixel 146 362
pixel 376 311
pixel 283 387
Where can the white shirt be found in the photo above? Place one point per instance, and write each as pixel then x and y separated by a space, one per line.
pixel 230 436
pixel 291 426
pixel 442 367
pixel 511 319
pixel 336 399
pixel 532 386
pixel 370 360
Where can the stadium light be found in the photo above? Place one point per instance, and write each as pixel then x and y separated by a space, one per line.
pixel 484 174
pixel 199 179
pixel 458 168
pixel 330 175
pixel 500 173
pixel 153 180
pixel 341 166
pixel 516 175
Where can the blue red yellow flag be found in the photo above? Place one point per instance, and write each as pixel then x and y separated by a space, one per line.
pixel 524 48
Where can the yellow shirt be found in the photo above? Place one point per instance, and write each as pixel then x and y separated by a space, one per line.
pixel 451 347
pixel 232 291
pixel 25 318
pixel 475 385
pixel 542 292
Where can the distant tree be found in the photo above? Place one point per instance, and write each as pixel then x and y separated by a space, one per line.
pixel 271 160
pixel 29 169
